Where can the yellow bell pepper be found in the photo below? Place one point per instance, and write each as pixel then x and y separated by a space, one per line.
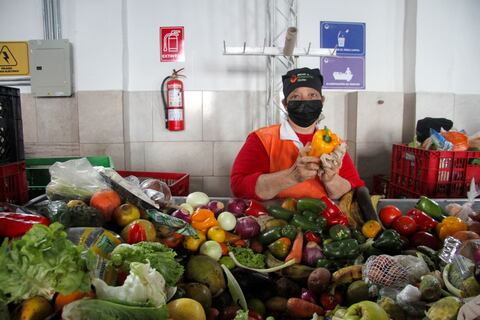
pixel 449 226
pixel 371 229
pixel 324 141
pixel 192 244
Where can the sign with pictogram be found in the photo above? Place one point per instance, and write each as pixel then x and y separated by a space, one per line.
pixel 171 44
pixel 14 58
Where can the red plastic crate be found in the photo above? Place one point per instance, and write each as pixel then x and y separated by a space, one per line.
pixel 177 182
pixel 13 183
pixel 436 174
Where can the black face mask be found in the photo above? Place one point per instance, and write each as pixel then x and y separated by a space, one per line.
pixel 304 112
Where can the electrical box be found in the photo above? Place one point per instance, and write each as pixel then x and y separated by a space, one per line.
pixel 50 68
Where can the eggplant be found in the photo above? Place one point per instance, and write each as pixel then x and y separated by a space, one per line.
pixel 365 204
pixel 255 284
pixel 288 288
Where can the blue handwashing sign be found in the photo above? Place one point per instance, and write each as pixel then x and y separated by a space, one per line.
pixel 347 37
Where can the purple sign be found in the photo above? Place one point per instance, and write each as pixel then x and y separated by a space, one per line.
pixel 343 72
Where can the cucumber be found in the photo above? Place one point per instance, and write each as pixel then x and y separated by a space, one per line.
pixel 311 204
pixel 280 213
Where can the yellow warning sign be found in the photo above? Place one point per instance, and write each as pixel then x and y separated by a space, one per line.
pixel 14 58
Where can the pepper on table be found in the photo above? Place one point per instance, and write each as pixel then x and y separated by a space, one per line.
pixel 255 209
pixel 389 241
pixel 342 249
pixel 431 207
pixel 424 222
pixel 203 219
pixel 17 224
pixel 333 214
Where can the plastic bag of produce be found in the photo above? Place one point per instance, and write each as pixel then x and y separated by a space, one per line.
pixel 465 211
pixel 415 267
pixel 74 179
pixel 384 271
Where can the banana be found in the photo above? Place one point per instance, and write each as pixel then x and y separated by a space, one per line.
pixel 347 274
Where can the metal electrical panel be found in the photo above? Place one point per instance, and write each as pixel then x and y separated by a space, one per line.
pixel 50 68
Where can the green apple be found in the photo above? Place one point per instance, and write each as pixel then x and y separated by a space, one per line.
pixel 365 310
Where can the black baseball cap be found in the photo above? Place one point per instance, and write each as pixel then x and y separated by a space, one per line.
pixel 303 77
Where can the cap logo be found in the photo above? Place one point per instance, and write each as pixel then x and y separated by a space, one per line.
pixel 293 78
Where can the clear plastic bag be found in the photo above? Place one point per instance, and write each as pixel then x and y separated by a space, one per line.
pixel 465 211
pixel 410 301
pixel 74 179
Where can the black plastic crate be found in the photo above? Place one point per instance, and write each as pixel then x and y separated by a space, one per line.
pixel 11 129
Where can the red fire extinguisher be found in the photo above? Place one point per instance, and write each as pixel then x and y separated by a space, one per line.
pixel 173 104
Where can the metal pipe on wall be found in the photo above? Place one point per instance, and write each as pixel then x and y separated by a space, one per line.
pixel 52 29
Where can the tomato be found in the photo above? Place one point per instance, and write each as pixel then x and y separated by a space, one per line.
pixel 252 315
pixel 389 214
pixel 328 301
pixel 405 226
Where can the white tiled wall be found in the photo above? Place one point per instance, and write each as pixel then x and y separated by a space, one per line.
pixel 467 113
pixel 100 116
pixel 434 105
pixel 57 120
pixel 129 127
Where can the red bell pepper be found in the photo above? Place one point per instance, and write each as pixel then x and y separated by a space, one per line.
pixel 424 221
pixel 312 236
pixel 255 209
pixel 333 214
pixel 136 234
pixel 17 224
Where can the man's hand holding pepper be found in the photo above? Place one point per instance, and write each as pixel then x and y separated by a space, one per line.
pixel 331 163
pixel 305 167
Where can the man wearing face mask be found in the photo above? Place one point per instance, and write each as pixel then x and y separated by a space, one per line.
pixel 273 162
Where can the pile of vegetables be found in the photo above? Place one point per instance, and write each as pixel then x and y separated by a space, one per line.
pixel 205 259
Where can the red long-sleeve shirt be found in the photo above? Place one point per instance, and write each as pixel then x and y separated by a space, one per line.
pixel 253 160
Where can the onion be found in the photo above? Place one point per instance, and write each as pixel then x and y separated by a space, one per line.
pixel 476 255
pixel 311 253
pixel 187 207
pixel 227 221
pixel 216 206
pixel 237 207
pixel 247 227
pixel 212 249
pixel 308 295
pixel 197 198
pixel 182 214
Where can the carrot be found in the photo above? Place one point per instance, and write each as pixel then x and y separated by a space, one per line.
pixel 300 308
pixel 62 300
pixel 296 252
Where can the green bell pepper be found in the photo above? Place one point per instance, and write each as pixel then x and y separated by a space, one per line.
pixel 339 232
pixel 389 242
pixel 311 204
pixel 356 234
pixel 343 249
pixel 308 222
pixel 270 236
pixel 289 231
pixel 280 248
pixel 431 207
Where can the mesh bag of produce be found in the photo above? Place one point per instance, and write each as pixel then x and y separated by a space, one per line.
pixel 384 271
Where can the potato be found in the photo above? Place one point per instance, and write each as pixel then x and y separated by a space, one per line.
pixel 319 280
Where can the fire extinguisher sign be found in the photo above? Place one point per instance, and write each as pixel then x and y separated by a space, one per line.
pixel 171 44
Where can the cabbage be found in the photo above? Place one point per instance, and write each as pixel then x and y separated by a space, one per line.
pixel 161 258
pixel 143 286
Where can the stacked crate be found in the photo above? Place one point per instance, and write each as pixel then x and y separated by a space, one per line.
pixel 13 179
